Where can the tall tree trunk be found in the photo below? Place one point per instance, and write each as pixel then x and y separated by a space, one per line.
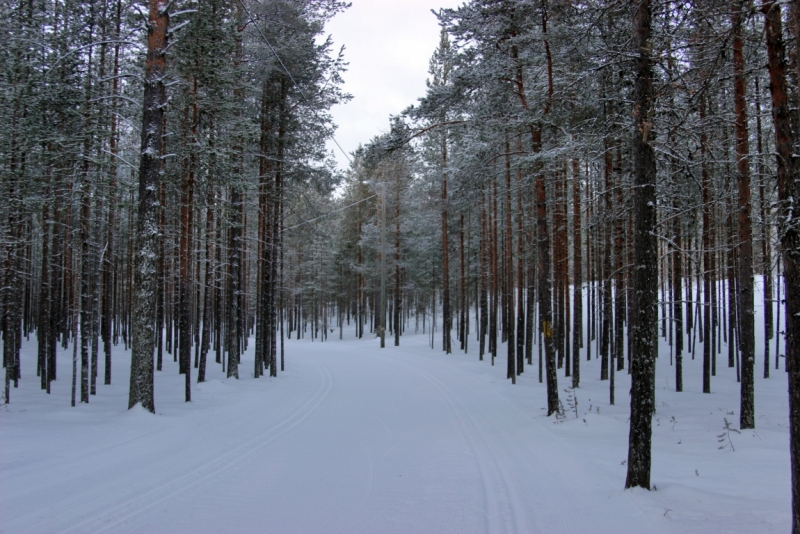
pixel 577 277
pixel 85 281
pixel 265 203
pixel 209 280
pixel 86 188
pixel 235 234
pixel 520 268
pixel 766 237
pixel 144 312
pixel 232 325
pixel 645 281
pixel 493 272
pixel 619 271
pixel 161 290
pixel 186 241
pixel 446 322
pixel 397 279
pixel 789 232
pixel 484 275
pixel 56 286
pixel 45 295
pixel 108 258
pixel 545 285
pixel 677 291
pixel 275 225
pixel 508 311
pixel 708 271
pixel 745 281
pixel 606 315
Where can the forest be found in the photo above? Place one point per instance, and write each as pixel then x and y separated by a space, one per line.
pixel 583 180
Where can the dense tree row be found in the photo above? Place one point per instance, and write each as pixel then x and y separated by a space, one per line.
pixel 123 215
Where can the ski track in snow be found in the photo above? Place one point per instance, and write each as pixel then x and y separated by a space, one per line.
pixel 141 504
pixel 353 438
pixel 500 503
pixel 499 454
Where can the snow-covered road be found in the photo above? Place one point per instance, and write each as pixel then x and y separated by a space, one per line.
pixel 350 438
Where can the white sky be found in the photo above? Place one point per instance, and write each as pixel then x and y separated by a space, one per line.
pixel 388 44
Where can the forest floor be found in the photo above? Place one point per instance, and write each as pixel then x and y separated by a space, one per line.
pixel 354 438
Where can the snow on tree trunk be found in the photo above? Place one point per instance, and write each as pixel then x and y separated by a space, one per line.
pixel 788 231
pixel 144 291
pixel 645 277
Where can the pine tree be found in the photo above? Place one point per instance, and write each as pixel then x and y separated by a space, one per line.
pixel 154 101
pixel 645 259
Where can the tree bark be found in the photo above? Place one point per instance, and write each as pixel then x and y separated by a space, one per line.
pixel 144 312
pixel 508 311
pixel 577 277
pixel 446 322
pixel 708 271
pixel 788 230
pixel 745 279
pixel 185 261
pixel 645 279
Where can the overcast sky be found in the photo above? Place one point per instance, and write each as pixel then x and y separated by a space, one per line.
pixel 388 44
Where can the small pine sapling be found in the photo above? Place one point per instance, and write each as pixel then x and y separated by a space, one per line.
pixel 572 400
pixel 726 436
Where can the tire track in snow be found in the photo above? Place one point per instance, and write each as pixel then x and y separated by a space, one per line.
pixel 108 520
pixel 504 512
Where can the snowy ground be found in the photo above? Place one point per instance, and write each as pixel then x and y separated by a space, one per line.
pixel 354 438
